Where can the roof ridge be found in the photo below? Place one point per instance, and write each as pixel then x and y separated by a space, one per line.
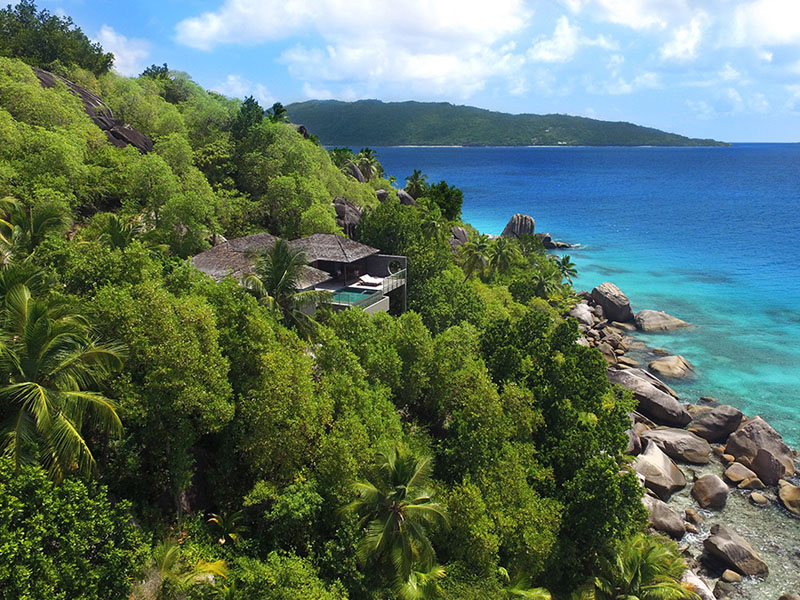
pixel 341 246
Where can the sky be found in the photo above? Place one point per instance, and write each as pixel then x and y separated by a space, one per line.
pixel 724 69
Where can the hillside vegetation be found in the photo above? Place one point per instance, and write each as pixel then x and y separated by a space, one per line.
pixel 168 436
pixel 376 123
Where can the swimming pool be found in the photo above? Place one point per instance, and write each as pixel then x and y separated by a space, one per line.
pixel 354 296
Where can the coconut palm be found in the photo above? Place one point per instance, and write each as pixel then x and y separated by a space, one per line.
pixel 520 588
pixel 475 254
pixel 276 283
pixel 396 508
pixel 342 158
pixel 278 113
pixel 228 527
pixel 416 184
pixel 173 576
pixel 367 162
pixel 23 228
pixel 49 363
pixel 546 280
pixel 502 254
pixel 420 584
pixel 566 267
pixel 645 568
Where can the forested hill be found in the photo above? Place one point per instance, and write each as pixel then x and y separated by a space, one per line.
pixel 377 123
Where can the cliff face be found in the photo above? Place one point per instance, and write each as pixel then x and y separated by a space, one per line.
pixel 118 133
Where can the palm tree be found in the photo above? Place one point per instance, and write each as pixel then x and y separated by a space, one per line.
pixel 49 362
pixel 277 283
pixel 566 267
pixel 367 162
pixel 546 280
pixel 396 509
pixel 23 228
pixel 416 184
pixel 520 588
pixel 502 255
pixel 278 113
pixel 174 577
pixel 645 568
pixel 228 527
pixel 475 254
pixel 342 158
pixel 420 584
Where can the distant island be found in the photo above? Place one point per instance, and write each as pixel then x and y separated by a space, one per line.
pixel 376 123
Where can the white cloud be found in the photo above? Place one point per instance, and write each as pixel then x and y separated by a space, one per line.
pixel 237 86
pixel 619 86
pixel 130 54
pixel 728 73
pixel 766 23
pixel 793 103
pixel 637 14
pixel 565 43
pixel 702 109
pixel 685 40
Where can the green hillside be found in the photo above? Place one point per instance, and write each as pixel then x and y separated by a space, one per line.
pixel 377 123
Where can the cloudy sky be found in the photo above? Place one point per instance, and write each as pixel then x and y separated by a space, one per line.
pixel 728 69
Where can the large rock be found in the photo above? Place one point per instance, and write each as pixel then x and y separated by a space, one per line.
pixel 679 444
pixel 694 584
pixel 655 320
pixel 756 434
pixel 654 381
pixel 660 473
pixel 662 518
pixel 653 403
pixel 381 194
pixel 717 424
pixel 519 225
pixel 583 313
pixel 405 198
pixel 789 495
pixel 738 473
pixel 634 443
pixel 550 244
pixel 356 173
pixel 710 491
pixel 734 551
pixel 458 236
pixel 616 306
pixel 672 366
pixel 347 215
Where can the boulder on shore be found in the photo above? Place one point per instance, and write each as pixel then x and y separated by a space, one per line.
pixel 662 518
pixel 405 198
pixel 756 435
pixel 672 366
pixel 734 551
pixel 697 585
pixel 710 491
pixel 616 306
pixel 717 424
pixel 789 495
pixel 653 403
pixel 679 444
pixel 656 320
pixel 661 475
pixel 519 225
pixel 583 314
pixel 738 473
pixel 355 173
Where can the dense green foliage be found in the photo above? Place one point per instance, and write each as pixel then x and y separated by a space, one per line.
pixel 427 123
pixel 467 448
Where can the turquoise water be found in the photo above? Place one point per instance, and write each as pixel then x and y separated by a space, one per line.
pixel 352 295
pixel 710 235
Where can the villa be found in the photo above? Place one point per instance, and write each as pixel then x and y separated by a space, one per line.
pixel 356 274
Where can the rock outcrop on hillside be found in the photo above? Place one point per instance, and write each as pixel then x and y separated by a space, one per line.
pixel 116 131
pixel 519 225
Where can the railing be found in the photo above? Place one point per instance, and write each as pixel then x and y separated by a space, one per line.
pixel 392 282
pixel 363 302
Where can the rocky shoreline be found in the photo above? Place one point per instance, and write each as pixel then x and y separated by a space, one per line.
pixel 711 450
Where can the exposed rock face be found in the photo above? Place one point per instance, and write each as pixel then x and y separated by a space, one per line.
pixel 634 443
pixel 551 244
pixel 697 585
pixel 116 131
pixel 758 499
pixel 656 320
pixel 458 236
pixel 789 495
pixel 583 314
pixel 734 551
pixel 660 473
pixel 679 444
pixel 356 173
pixel 710 491
pixel 757 435
pixel 382 194
pixel 616 306
pixel 406 198
pixel 717 424
pixel 672 366
pixel 655 381
pixel 519 225
pixel 662 518
pixel 347 215
pixel 737 473
pixel 653 403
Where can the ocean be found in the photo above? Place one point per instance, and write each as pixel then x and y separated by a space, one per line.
pixel 710 235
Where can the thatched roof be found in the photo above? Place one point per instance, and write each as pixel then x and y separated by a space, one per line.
pixel 237 258
pixel 333 248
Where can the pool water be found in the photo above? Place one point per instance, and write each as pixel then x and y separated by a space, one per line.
pixel 351 295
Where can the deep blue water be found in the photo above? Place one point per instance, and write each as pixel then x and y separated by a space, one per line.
pixel 710 235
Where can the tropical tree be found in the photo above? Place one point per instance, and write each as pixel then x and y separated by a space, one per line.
pixel 416 184
pixel 49 363
pixel 342 158
pixel 502 255
pixel 228 527
pixel 520 588
pixel 22 228
pixel 278 113
pixel 173 577
pixel 276 282
pixel 645 568
pixel 566 267
pixel 397 509
pixel 367 162
pixel 475 254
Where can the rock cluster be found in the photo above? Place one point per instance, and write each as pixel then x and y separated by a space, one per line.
pixel 519 225
pixel 347 215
